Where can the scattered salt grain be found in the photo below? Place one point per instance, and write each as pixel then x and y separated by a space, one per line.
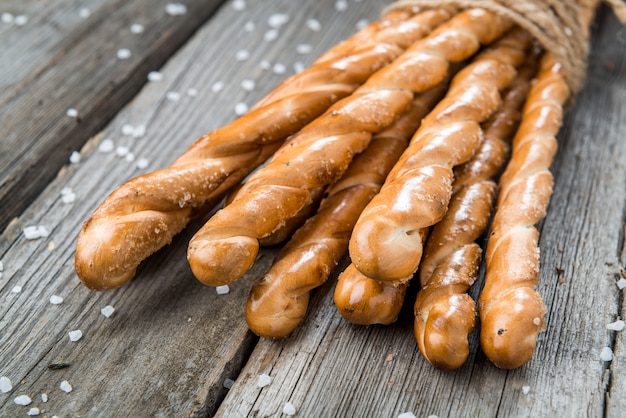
pixel 127 129
pixel 299 66
pixel 155 76
pixel 217 86
pixel 22 400
pixel 606 354
pixel 5 384
pixel 130 157
pixel 279 68
pixel 44 397
pixel 270 35
pixel 175 9
pixel 139 131
pixel 239 5
pixel 121 151
pixel 304 49
pixel 123 54
pixel 107 311
pixel 56 300
pixel 75 335
pixel 228 383
pixel 241 108
pixel 191 92
pixel 341 5
pixel 277 20
pixel 65 386
pixel 20 20
pixel 433 416
pixel 263 380
pixel 75 157
pixel 525 390
pixel 265 64
pixel 142 163
pixel 242 55
pixel 616 326
pixel 362 23
pixel 35 232
pixel 621 284
pixel 247 85
pixel 406 415
pixel 172 96
pixel 33 412
pixel 106 146
pixel 84 12
pixel 52 246
pixel 136 28
pixel 16 289
pixel 222 290
pixel 314 25
pixel 249 26
pixel 289 409
pixel 72 113
pixel 7 18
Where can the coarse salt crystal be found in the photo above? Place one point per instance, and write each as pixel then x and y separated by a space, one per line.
pixel 136 28
pixel 44 397
pixel 406 415
pixel 525 390
pixel 123 54
pixel 537 321
pixel 106 146
pixel 621 284
pixel 263 380
pixel 279 68
pixel 242 55
pixel 121 151
pixel 299 66
pixel 20 20
pixel 7 18
pixel 606 354
pixel 142 163
pixel 172 96
pixel 241 108
pixel 52 246
pixel 16 289
pixel 139 131
pixel 75 335
pixel 265 64
pixel 341 5
pixel 304 48
pixel 270 35
pixel 314 25
pixel 84 12
pixel 33 412
pixel 127 129
pixel 155 76
pixel 247 85
pixel 277 20
pixel 222 290
pixel 56 300
pixel 616 326
pixel 35 232
pixel 191 92
pixel 107 311
pixel 239 5
pixel 5 384
pixel 75 157
pixel 175 9
pixel 228 383
pixel 22 400
pixel 217 86
pixel 65 386
pixel 71 112
pixel 289 409
pixel 130 157
pixel 249 26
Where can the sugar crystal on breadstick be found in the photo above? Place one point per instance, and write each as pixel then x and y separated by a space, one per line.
pixel 227 245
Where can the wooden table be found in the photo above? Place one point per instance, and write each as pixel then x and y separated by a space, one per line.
pixel 173 345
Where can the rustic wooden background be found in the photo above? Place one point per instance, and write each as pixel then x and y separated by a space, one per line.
pixel 172 343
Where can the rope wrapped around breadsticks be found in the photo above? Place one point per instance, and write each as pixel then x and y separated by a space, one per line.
pixel 445 314
pixel 142 215
pixel 363 300
pixel 278 302
pixel 511 310
pixel 385 244
pixel 227 245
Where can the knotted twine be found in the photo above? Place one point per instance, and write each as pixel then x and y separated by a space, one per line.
pixel 561 26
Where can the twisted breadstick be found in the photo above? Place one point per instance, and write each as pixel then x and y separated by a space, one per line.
pixel 385 245
pixel 445 314
pixel 279 301
pixel 226 246
pixel 511 311
pixel 145 213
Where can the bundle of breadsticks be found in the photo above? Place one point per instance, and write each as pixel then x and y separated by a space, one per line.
pixel 400 147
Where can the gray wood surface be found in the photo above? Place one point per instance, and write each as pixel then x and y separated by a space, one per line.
pixel 172 342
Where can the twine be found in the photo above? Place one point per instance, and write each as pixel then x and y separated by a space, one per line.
pixel 561 26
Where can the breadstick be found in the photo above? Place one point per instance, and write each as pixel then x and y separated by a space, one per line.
pixel 278 302
pixel 511 310
pixel 385 244
pixel 142 215
pixel 227 245
pixel 445 314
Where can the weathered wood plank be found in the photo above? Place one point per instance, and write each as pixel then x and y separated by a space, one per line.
pixel 330 368
pixel 59 60
pixel 171 342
